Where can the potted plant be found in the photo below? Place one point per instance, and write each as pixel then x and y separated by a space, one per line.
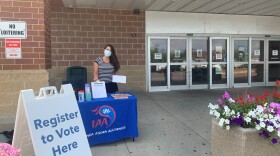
pixel 252 124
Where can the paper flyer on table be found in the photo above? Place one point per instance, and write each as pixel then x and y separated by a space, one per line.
pixel 98 89
pixel 119 79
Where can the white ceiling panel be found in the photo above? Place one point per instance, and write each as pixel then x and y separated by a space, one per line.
pixel 212 5
pixel 159 5
pixel 177 4
pixel 231 4
pixel 244 6
pixel 272 11
pixel 266 5
pixel 233 7
pixel 194 5
pixel 268 10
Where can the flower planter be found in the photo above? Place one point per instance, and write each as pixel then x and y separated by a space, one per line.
pixel 240 142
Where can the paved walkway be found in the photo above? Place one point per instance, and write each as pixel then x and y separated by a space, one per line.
pixel 175 123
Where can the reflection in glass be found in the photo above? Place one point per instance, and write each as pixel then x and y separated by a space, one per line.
pixel 200 50
pixel 257 73
pixel 158 50
pixel 241 51
pixel 241 73
pixel 274 72
pixel 177 50
pixel 219 50
pixel 219 74
pixel 257 52
pixel 178 75
pixel 199 74
pixel 274 50
pixel 158 75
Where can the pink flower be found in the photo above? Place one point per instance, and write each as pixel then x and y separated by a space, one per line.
pixel 274 105
pixel 226 95
pixel 251 98
pixel 8 150
pixel 220 100
pixel 278 112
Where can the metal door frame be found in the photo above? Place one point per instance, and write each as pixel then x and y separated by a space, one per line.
pixel 158 88
pixel 264 62
pixel 200 86
pixel 213 86
pixel 270 62
pixel 237 85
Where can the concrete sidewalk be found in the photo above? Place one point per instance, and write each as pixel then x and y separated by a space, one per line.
pixel 175 123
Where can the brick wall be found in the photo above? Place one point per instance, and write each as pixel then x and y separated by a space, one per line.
pixel 30 72
pixel 36 47
pixel 79 35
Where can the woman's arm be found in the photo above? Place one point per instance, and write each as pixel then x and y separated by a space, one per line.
pixel 95 71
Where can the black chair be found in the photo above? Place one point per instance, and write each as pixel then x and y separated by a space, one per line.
pixel 77 76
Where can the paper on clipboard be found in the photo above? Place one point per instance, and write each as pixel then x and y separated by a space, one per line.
pixel 98 90
pixel 119 79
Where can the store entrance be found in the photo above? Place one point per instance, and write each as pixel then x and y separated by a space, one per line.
pixel 219 62
pixel 199 63
pixel 273 62
pixel 240 56
pixel 178 63
pixel 183 63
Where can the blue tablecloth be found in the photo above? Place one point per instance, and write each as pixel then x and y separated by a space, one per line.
pixel 108 119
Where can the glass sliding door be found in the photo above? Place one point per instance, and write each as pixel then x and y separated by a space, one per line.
pixel 178 63
pixel 241 66
pixel 257 62
pixel 158 64
pixel 199 63
pixel 273 61
pixel 219 62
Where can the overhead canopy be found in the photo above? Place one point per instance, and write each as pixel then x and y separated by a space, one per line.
pixel 233 7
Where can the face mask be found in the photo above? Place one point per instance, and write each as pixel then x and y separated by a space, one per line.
pixel 107 53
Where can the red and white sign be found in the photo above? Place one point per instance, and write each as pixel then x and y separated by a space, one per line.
pixel 13 48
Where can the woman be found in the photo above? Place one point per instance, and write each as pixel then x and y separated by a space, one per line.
pixel 104 68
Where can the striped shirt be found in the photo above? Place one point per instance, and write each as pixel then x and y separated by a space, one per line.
pixel 105 70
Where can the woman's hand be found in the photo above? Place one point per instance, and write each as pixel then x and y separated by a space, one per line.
pixel 95 79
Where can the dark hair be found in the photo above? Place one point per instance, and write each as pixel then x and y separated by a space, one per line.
pixel 113 58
